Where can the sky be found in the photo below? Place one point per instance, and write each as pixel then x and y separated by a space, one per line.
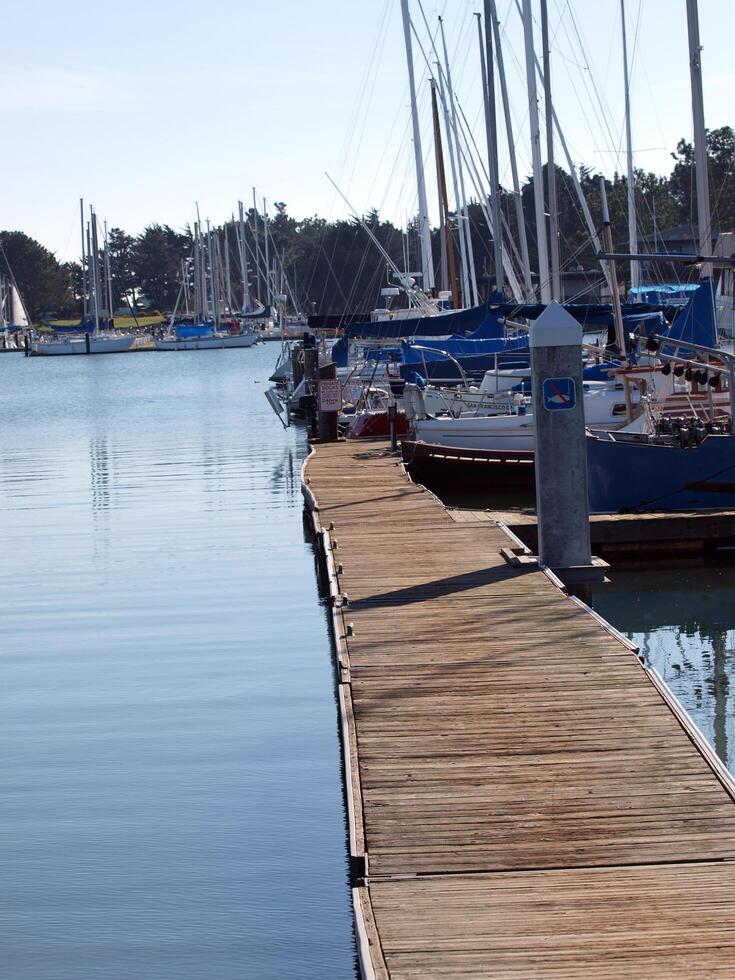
pixel 145 108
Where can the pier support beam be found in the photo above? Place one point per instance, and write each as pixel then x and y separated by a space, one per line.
pixel 560 447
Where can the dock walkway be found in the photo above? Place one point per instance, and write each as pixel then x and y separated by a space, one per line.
pixel 525 797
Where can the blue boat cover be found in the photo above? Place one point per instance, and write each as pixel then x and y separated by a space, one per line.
pixel 666 294
pixel 697 322
pixel 413 352
pixel 475 358
pixel 478 320
pixel 589 315
pixel 187 330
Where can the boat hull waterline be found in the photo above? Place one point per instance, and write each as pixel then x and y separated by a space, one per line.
pixel 78 345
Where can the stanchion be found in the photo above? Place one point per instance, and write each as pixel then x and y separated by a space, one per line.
pixel 393 420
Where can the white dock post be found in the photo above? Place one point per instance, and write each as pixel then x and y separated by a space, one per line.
pixel 562 505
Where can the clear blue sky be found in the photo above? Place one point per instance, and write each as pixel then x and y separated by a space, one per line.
pixel 144 108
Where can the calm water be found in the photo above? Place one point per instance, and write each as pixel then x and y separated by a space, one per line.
pixel 170 796
pixel 684 621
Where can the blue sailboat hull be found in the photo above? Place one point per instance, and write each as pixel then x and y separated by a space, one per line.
pixel 642 476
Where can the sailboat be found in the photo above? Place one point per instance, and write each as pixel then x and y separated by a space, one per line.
pixel 13 316
pixel 678 463
pixel 95 333
pixel 205 328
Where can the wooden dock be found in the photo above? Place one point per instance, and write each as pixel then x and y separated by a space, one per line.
pixel 525 797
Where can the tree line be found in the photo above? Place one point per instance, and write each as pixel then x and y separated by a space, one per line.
pixel 332 267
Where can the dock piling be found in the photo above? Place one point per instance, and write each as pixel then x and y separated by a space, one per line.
pixel 560 446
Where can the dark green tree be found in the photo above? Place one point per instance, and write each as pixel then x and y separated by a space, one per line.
pixel 721 160
pixel 44 283
pixel 155 263
pixel 122 252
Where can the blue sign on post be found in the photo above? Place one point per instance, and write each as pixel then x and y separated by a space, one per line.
pixel 559 394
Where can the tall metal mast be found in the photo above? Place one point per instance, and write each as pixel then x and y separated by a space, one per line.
pixel 635 272
pixel 91 252
pixel 538 186
pixel 491 136
pixel 246 302
pixel 261 297
pixel 108 277
pixel 550 166
pixel 268 290
pixel 704 219
pixel 466 301
pixel 517 199
pixel 228 281
pixel 85 300
pixel 462 212
pixel 427 264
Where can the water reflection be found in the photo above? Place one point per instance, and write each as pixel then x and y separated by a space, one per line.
pixel 170 794
pixel 99 467
pixel 684 622
pixel 286 474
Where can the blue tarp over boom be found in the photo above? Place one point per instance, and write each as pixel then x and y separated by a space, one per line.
pixel 474 356
pixel 186 330
pixel 589 315
pixel 478 320
pixel 696 322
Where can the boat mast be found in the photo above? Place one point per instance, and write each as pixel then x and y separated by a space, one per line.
pixel 212 277
pixel 198 314
pixel 455 187
pixel 268 290
pixel 246 303
pixel 228 287
pixel 704 220
pixel 261 297
pixel 538 187
pixel 492 13
pixel 491 136
pixel 447 239
pixel 185 284
pixel 635 275
pixel 92 277
pixel 4 298
pixel 84 262
pixel 427 262
pixel 550 166
pixel 608 242
pixel 462 213
pixel 108 278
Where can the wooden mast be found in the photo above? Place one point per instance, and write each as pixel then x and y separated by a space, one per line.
pixel 451 261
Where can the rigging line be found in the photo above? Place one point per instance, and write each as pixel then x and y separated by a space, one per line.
pixel 587 81
pixel 369 92
pixel 375 52
pixel 604 108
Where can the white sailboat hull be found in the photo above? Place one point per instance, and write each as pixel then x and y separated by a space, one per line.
pixel 240 340
pixel 78 345
pixel 604 409
pixel 190 343
pixel 207 343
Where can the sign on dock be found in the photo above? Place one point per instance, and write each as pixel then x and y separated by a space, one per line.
pixel 330 395
pixel 559 394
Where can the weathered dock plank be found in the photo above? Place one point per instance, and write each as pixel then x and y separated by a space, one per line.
pixel 525 800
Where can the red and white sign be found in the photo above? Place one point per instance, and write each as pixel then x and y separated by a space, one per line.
pixel 330 395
